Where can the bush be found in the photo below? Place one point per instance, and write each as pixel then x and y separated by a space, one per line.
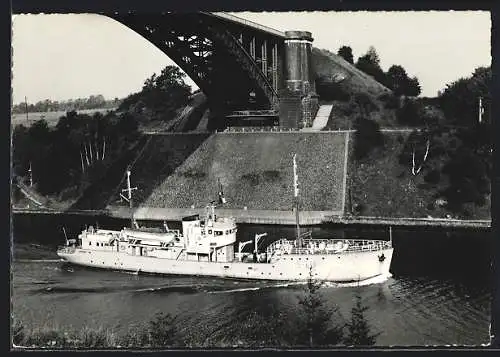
pixel 162 331
pixel 271 175
pixel 365 103
pixel 433 177
pixel 410 113
pixel 390 101
pixel 367 137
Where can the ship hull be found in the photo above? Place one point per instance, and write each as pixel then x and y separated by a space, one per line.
pixel 343 267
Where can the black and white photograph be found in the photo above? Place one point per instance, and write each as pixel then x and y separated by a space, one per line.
pixel 251 180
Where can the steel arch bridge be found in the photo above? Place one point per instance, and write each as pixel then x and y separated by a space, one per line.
pixel 245 69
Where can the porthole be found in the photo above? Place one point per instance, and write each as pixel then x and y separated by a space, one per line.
pixel 281 273
pixel 323 258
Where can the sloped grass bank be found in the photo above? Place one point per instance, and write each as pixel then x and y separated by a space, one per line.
pixel 163 154
pixel 256 172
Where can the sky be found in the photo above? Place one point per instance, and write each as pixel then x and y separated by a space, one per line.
pixel 64 56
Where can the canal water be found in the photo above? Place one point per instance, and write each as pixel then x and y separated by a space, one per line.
pixel 439 292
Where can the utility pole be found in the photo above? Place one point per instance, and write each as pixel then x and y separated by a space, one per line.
pixel 30 172
pixel 26 106
pixel 481 110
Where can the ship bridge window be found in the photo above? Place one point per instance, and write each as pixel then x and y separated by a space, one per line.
pixel 227 232
pixel 218 233
pixel 209 231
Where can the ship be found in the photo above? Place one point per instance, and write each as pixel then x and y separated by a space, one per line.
pixel 206 247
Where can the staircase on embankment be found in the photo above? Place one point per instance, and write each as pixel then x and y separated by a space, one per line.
pixel 321 118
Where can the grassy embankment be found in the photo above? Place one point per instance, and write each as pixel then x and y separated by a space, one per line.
pixel 254 169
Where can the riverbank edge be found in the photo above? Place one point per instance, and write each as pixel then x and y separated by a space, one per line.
pixel 309 218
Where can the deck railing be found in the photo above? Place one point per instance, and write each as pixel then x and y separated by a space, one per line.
pixel 327 246
pixel 66 250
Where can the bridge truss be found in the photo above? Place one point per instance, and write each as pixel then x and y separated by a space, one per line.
pixel 214 58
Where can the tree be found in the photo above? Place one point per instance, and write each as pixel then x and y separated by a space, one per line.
pixel 468 178
pixel 413 87
pixel 317 329
pixel 358 329
pixel 346 53
pixel 370 64
pixel 161 96
pixel 416 150
pixel 397 79
pixel 163 331
pixel 460 99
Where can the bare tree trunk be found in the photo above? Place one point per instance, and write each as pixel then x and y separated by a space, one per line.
pixel 86 154
pixel 91 156
pixel 103 148
pixel 425 156
pixel 81 157
pixel 413 163
pixel 96 150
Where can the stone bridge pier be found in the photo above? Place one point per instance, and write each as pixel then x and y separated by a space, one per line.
pixel 298 99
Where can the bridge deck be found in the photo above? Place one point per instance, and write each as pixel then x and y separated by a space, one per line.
pixel 248 23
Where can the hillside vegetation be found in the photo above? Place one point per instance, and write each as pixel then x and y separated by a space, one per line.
pixel 442 168
pixel 351 79
pixel 255 171
pixel 352 92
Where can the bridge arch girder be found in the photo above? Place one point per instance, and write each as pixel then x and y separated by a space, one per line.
pixel 209 53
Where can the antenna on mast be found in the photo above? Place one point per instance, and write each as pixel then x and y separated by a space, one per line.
pixel 129 198
pixel 296 197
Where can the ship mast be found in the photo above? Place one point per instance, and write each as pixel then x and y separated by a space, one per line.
pixel 296 199
pixel 129 198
